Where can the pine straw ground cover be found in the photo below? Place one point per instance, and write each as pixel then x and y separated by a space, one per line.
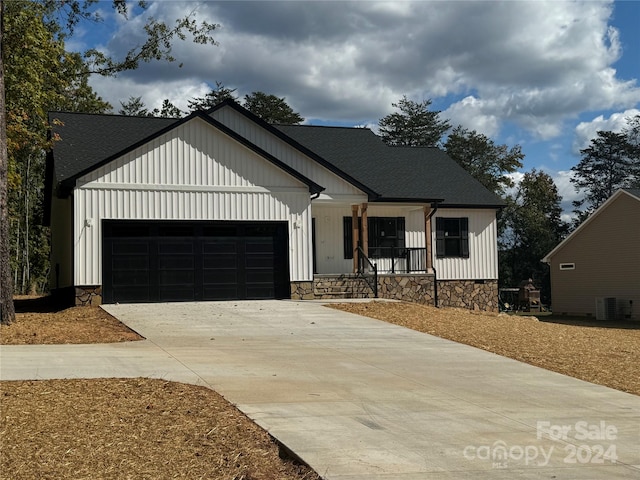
pixel 72 325
pixel 605 353
pixel 131 429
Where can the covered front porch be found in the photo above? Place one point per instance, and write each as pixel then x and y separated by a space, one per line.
pixel 350 238
pixel 369 250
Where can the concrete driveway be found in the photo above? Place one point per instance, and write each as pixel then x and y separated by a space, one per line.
pixel 357 398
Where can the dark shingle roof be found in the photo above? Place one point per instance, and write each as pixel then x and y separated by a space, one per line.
pixel 395 173
pixel 86 140
pixel 633 191
pixel 357 154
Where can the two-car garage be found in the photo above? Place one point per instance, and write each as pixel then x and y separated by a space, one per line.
pixel 164 261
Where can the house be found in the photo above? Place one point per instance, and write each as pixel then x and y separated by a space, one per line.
pixel 222 205
pixel 595 271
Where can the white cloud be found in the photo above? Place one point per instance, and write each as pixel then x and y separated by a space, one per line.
pixel 152 93
pixel 532 64
pixel 586 131
pixel 469 113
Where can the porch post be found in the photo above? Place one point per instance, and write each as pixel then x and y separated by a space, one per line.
pixel 355 236
pixel 365 229
pixel 427 235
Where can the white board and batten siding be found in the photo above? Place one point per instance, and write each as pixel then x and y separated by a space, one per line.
pixel 193 172
pixel 482 263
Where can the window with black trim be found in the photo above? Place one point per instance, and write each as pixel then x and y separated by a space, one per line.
pixel 386 236
pixel 452 237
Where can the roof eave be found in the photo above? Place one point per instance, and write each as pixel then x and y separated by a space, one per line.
pixel 413 201
pixel 478 206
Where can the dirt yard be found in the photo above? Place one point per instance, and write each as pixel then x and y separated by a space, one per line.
pixel 140 428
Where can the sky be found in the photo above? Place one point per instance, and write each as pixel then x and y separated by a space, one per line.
pixel 544 75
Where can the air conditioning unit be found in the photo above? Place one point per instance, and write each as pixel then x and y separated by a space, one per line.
pixel 606 308
pixel 624 309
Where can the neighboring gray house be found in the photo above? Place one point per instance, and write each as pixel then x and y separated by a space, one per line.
pixel 221 205
pixel 595 271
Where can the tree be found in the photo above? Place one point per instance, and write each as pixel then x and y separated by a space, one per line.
pixel 18 161
pixel 532 228
pixel 414 126
pixel 168 110
pixel 7 311
pixel 39 76
pixel 632 132
pixel 271 109
pixel 609 163
pixel 134 107
pixel 487 162
pixel 214 97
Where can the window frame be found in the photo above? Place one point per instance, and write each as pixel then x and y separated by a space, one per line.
pixel 443 237
pixel 375 225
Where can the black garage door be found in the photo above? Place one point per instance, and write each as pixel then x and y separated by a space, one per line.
pixel 180 261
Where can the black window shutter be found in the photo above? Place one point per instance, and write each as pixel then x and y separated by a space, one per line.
pixel 400 232
pixel 464 237
pixel 439 237
pixel 348 237
pixel 373 228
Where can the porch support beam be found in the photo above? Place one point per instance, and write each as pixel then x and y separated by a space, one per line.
pixel 365 229
pixel 355 235
pixel 427 235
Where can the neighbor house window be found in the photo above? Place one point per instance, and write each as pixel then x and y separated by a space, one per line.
pixel 567 266
pixel 386 236
pixel 452 237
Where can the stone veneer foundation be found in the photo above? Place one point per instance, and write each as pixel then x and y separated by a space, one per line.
pixel 88 296
pixel 479 295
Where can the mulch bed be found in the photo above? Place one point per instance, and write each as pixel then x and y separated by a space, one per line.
pixel 605 353
pixel 133 428
pixel 38 321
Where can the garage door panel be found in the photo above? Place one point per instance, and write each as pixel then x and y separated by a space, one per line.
pixel 176 277
pixel 218 247
pixel 185 247
pixel 154 261
pixel 261 247
pixel 176 293
pixel 259 292
pixel 220 276
pixel 219 292
pixel 130 262
pixel 131 294
pixel 219 261
pixel 130 278
pixel 262 261
pixel 130 248
pixel 175 262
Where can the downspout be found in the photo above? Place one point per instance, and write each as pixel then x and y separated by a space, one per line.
pixel 435 274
